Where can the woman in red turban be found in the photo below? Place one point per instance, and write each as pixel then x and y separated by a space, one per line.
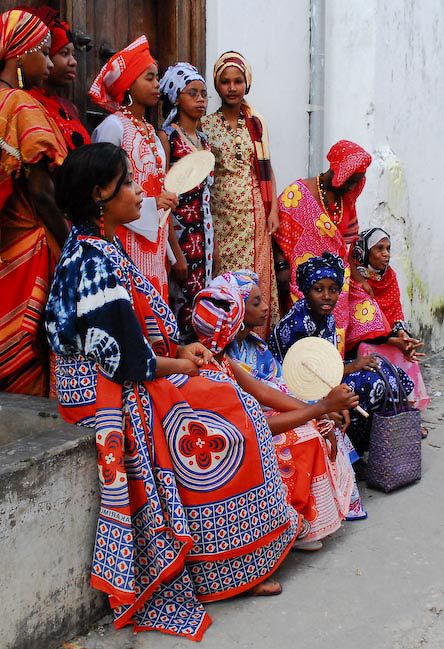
pixel 126 86
pixel 32 229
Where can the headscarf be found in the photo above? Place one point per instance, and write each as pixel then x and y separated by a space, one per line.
pixel 20 31
pixel 366 240
pixel 119 73
pixel 174 81
pixel 61 33
pixel 236 60
pixel 346 159
pixel 243 280
pixel 317 268
pixel 215 327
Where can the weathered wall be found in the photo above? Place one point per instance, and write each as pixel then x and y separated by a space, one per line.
pixel 384 90
pixel 274 37
pixel 48 513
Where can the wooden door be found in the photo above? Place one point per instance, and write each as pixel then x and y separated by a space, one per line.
pixel 174 28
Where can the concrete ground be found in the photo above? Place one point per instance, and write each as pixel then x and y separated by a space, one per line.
pixel 376 584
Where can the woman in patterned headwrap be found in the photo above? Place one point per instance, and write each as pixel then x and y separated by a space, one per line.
pixel 319 487
pixel 318 215
pixel 320 279
pixel 243 197
pixel 61 77
pixel 32 229
pixel 185 95
pixel 126 86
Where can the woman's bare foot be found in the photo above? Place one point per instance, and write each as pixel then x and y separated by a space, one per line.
pixel 267 588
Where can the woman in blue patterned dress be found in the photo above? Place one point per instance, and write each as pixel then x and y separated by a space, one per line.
pixel 181 448
pixel 320 279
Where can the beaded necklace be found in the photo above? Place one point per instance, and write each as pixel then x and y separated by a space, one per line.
pixel 153 185
pixel 196 144
pixel 237 134
pixel 338 212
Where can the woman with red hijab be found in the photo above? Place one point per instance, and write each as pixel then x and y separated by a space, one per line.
pixel 61 77
pixel 318 215
pixel 126 86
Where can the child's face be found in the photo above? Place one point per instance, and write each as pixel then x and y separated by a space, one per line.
pixel 379 254
pixel 322 297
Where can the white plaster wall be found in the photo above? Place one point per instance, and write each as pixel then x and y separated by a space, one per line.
pixel 384 89
pixel 274 37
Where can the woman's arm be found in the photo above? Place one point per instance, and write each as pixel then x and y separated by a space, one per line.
pixel 41 190
pixel 273 217
pixel 293 412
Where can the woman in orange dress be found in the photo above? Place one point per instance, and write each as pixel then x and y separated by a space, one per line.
pixel 32 229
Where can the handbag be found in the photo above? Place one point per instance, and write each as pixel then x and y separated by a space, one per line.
pixel 395 440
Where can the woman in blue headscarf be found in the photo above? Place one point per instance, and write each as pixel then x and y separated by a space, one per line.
pixel 185 96
pixel 320 279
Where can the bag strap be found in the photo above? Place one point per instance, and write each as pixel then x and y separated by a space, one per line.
pixel 403 398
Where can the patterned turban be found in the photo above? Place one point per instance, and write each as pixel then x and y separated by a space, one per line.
pixel 61 33
pixel 218 313
pixel 119 73
pixel 346 159
pixel 243 280
pixel 20 31
pixel 317 268
pixel 366 240
pixel 174 81
pixel 229 60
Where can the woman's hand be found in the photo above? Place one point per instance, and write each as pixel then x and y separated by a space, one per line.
pixel 273 221
pixel 407 345
pixel 180 268
pixel 333 450
pixel 340 398
pixel 196 353
pixel 186 366
pixel 363 363
pixel 167 201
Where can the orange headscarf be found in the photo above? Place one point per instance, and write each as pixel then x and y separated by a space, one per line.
pixel 119 73
pixel 20 31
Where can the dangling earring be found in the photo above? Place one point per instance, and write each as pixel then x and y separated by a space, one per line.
pixel 101 221
pixel 21 85
pixel 242 327
pixel 130 100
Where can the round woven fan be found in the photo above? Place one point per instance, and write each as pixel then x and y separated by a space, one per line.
pixel 311 367
pixel 186 173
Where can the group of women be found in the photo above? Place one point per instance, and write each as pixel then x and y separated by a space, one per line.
pixel 210 470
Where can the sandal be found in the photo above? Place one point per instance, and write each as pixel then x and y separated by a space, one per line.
pixel 424 432
pixel 267 588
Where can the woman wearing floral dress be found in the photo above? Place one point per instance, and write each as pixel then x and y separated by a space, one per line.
pixel 243 197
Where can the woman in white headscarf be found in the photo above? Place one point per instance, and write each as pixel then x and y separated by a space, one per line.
pixel 185 96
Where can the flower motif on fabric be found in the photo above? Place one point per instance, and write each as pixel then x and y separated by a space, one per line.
pixel 377 392
pixel 103 348
pixel 309 325
pixel 291 196
pixel 325 226
pixel 199 444
pixel 110 457
pixel 302 259
pixel 365 312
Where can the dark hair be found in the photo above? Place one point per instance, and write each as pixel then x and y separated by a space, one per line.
pixel 84 168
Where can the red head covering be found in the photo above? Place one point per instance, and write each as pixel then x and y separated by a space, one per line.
pixel 215 326
pixel 60 31
pixel 119 73
pixel 20 31
pixel 346 159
